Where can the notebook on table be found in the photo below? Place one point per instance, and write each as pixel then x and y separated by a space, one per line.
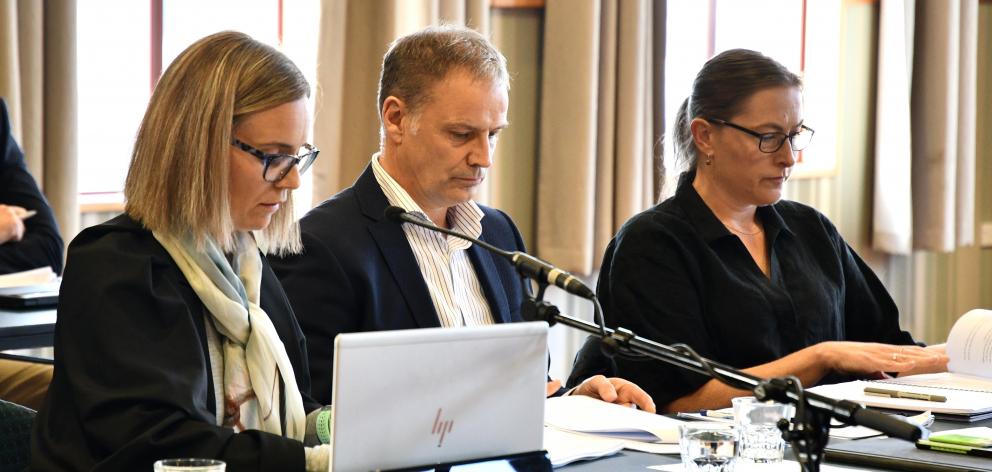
pixel 441 395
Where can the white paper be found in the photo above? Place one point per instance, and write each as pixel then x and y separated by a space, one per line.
pixel 959 402
pixel 745 466
pixel 944 380
pixel 969 346
pixel 565 447
pixel 653 448
pixel 588 415
pixel 41 275
pixel 853 432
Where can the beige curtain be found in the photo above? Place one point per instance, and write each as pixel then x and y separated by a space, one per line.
pixel 925 199
pixel 38 80
pixel 601 103
pixel 892 228
pixel 354 34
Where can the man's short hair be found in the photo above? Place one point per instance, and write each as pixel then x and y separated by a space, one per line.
pixel 415 62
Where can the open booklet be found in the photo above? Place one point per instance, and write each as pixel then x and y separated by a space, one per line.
pixel 969 348
pixel 967 386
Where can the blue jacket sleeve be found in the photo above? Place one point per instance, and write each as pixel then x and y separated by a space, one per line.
pixel 42 246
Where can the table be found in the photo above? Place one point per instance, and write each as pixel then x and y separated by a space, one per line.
pixel 20 329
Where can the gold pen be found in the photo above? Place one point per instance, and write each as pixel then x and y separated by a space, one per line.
pixel 882 392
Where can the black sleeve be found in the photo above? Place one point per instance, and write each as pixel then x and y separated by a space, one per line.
pixel 870 314
pixel 648 285
pixel 132 376
pixel 324 302
pixel 42 246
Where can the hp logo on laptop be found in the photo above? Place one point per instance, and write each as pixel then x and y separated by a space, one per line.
pixel 441 427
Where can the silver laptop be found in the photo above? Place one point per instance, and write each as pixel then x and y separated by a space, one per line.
pixel 428 396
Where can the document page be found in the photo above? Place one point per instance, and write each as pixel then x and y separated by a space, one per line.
pixel 37 276
pixel 969 346
pixel 587 415
pixel 945 380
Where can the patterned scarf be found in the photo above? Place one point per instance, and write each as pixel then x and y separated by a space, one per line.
pixel 254 356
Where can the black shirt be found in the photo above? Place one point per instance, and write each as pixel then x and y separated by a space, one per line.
pixel 673 273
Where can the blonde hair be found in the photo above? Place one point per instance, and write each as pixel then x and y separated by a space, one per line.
pixel 178 179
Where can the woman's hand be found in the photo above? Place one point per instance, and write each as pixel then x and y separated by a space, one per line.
pixel 877 358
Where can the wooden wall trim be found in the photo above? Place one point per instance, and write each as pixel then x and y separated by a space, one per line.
pixel 517 3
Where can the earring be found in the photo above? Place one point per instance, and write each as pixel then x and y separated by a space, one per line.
pixel 709 159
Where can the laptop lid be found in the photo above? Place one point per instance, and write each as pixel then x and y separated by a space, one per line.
pixel 438 395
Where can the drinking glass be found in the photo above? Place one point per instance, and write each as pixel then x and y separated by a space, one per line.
pixel 761 440
pixel 708 447
pixel 189 465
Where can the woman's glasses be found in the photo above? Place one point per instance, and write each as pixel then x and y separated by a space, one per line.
pixel 276 166
pixel 772 142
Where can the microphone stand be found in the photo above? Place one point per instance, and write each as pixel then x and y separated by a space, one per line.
pixel 809 430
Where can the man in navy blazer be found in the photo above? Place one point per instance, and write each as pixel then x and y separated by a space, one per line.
pixel 29 237
pixel 442 102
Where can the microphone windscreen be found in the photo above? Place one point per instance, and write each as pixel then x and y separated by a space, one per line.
pixel 394 213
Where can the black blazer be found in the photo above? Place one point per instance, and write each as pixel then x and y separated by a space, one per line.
pixel 132 379
pixel 42 246
pixel 357 272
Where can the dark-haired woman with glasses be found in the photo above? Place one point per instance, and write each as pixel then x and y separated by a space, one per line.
pixel 740 275
pixel 174 338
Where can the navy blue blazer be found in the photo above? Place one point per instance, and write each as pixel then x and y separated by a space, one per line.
pixel 357 272
pixel 42 246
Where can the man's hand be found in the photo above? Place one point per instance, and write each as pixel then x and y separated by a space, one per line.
pixel 11 226
pixel 616 390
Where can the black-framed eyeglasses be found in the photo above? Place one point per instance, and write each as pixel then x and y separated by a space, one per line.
pixel 772 142
pixel 276 166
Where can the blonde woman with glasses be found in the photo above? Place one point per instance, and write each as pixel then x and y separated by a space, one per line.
pixel 174 338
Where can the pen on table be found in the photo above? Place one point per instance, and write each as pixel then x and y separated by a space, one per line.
pixel 715 414
pixel 883 392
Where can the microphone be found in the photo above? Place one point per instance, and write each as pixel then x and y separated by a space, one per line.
pixel 525 264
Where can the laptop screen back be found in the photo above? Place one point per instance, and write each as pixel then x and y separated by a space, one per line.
pixel 427 396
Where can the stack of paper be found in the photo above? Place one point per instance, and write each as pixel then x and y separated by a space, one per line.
pixel 41 275
pixel 565 447
pixel 960 404
pixel 635 429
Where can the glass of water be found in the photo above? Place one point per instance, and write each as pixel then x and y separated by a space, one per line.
pixel 761 440
pixel 708 447
pixel 189 465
